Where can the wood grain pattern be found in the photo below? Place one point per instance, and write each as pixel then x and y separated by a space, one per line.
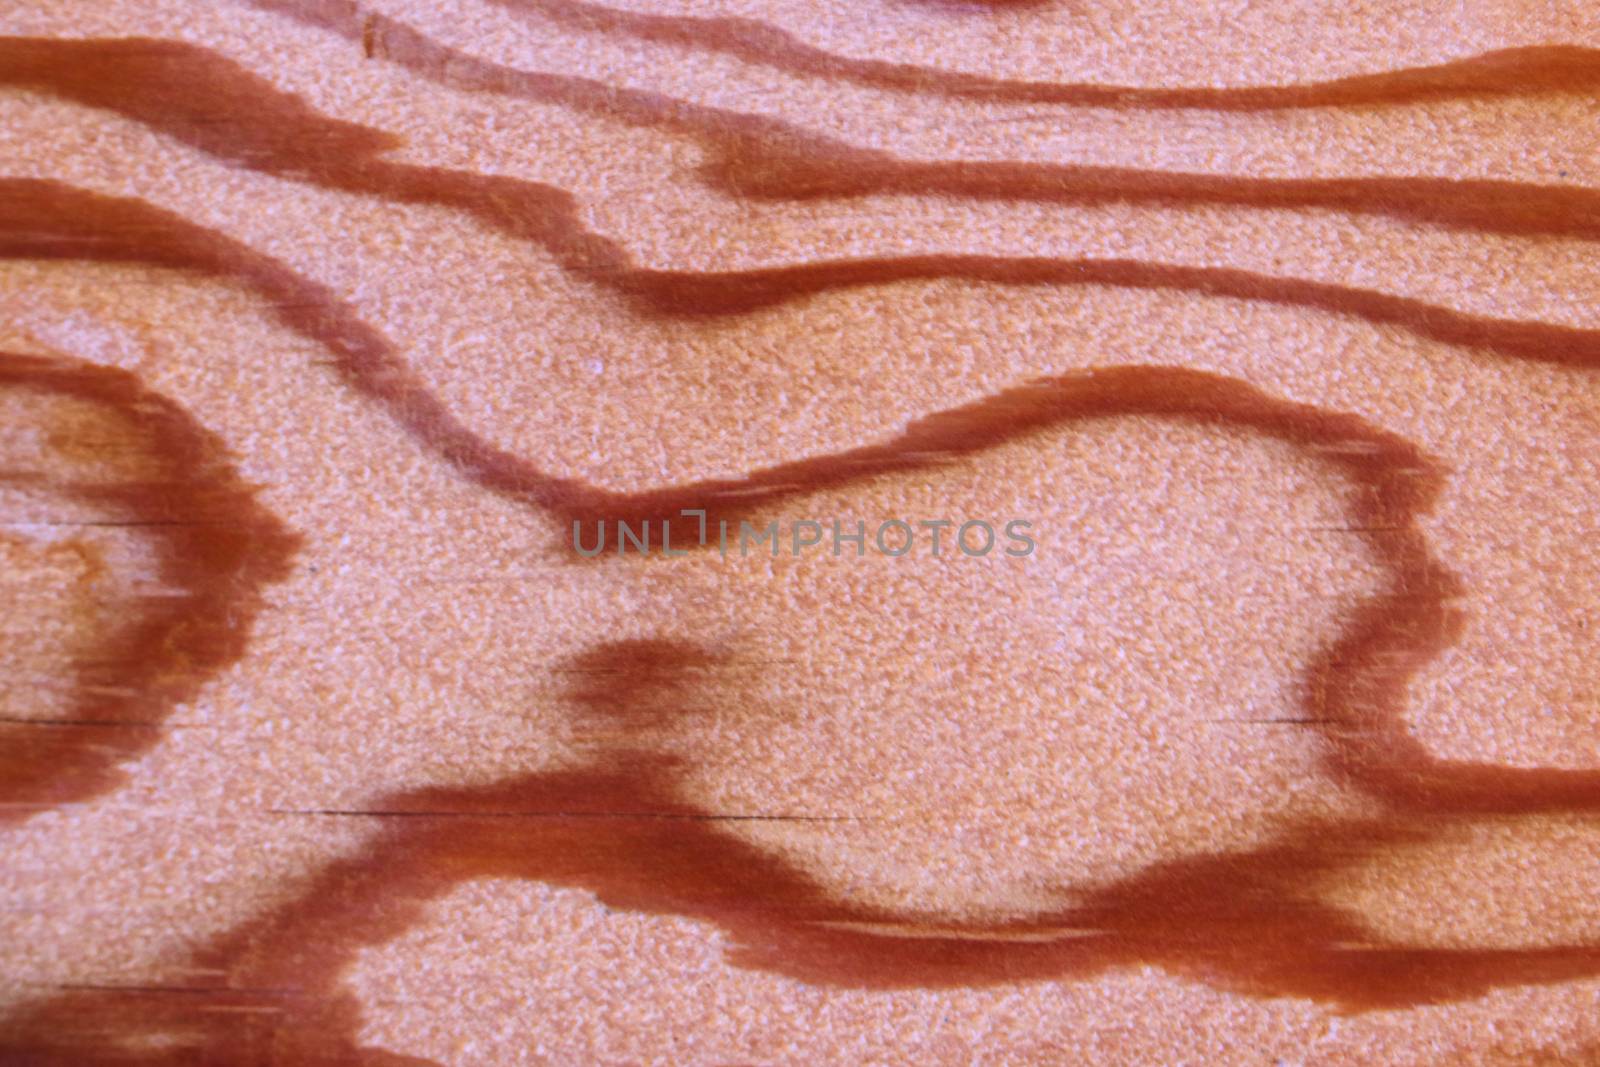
pixel 1438 428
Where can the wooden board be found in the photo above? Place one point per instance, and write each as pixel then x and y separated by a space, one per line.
pixel 559 531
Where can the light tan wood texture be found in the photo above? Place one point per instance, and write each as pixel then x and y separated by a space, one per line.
pixel 1264 340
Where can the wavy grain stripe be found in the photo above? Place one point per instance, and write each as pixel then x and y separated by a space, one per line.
pixel 214 106
pixel 760 157
pixel 1242 921
pixel 622 831
pixel 215 548
pixel 49 220
pixel 242 119
pixel 1509 72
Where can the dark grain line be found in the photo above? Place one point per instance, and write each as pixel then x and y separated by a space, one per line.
pixel 1502 73
pixel 747 155
pixel 622 830
pixel 215 548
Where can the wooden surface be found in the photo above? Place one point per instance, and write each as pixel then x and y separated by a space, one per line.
pixel 324 325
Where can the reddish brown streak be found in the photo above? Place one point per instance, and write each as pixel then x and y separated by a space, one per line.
pixel 47 220
pixel 624 831
pixel 760 157
pixel 1508 72
pixel 246 121
pixel 214 547
pixel 242 118
pixel 1240 920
